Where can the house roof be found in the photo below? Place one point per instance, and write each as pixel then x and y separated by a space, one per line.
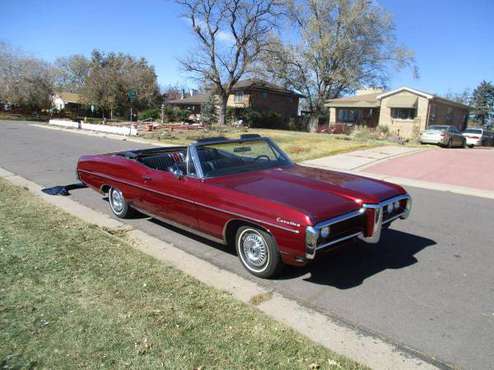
pixel 357 101
pixel 239 86
pixel 374 100
pixel 69 97
pixel 264 85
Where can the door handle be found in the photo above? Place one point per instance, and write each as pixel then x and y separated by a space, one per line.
pixel 146 178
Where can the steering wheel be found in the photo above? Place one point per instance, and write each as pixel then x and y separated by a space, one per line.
pixel 262 156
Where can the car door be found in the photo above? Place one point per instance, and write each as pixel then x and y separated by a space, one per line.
pixel 456 136
pixel 169 197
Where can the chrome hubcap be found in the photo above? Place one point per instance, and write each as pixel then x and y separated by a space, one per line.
pixel 254 249
pixel 117 200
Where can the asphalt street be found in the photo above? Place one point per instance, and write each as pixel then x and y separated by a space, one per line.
pixel 429 284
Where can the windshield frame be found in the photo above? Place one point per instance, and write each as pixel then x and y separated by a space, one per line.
pixel 193 152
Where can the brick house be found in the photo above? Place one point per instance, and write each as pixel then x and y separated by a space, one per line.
pixel 255 94
pixel 404 111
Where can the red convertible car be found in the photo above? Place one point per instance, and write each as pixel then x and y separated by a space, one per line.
pixel 246 192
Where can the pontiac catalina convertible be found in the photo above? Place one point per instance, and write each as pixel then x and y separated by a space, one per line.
pixel 246 192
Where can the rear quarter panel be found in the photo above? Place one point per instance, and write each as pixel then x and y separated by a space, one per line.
pixel 113 170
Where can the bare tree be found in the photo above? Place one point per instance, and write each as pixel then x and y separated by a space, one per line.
pixel 25 82
pixel 335 46
pixel 72 72
pixel 463 97
pixel 231 35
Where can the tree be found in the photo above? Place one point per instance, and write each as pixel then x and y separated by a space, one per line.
pixel 71 73
pixel 231 34
pixel 334 47
pixel 112 76
pixel 208 110
pixel 483 101
pixel 463 97
pixel 172 92
pixel 25 82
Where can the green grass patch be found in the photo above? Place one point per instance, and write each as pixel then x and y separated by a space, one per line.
pixel 74 296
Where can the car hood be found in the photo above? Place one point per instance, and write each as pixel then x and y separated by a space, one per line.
pixel 320 194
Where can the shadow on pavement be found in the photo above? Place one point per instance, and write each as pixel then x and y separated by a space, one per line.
pixel 63 189
pixel 350 265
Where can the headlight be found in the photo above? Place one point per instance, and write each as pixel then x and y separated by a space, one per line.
pixel 397 205
pixel 389 208
pixel 325 232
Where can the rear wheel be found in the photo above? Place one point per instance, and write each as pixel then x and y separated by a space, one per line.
pixel 258 252
pixel 118 204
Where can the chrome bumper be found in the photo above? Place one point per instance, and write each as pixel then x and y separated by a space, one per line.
pixel 378 216
pixel 312 232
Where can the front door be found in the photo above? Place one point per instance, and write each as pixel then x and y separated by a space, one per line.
pixel 169 197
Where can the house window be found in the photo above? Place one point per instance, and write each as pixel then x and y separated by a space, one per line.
pixel 403 113
pixel 347 115
pixel 264 94
pixel 239 97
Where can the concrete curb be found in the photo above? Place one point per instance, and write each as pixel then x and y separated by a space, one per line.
pixel 362 347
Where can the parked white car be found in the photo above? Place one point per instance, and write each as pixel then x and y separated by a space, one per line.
pixel 444 135
pixel 478 136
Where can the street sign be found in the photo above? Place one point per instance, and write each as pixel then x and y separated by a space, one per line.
pixel 132 95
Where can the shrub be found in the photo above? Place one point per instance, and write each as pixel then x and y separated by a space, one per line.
pixel 152 113
pixel 257 119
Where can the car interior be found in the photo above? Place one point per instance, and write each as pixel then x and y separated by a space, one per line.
pixel 162 160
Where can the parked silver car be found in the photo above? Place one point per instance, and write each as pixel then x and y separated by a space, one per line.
pixel 478 136
pixel 444 135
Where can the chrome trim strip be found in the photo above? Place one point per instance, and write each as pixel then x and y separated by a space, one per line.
pixel 192 202
pixel 340 218
pixel 394 217
pixel 322 246
pixel 387 201
pixel 183 227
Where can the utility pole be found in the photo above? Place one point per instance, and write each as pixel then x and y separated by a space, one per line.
pixel 131 113
pixel 162 112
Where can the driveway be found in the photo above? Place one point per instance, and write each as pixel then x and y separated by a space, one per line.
pixel 429 285
pixel 472 168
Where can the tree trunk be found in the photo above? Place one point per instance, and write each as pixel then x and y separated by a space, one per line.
pixel 222 118
pixel 313 121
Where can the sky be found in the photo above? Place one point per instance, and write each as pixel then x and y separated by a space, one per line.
pixel 453 40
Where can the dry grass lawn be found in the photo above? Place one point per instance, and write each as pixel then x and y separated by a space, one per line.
pixel 73 296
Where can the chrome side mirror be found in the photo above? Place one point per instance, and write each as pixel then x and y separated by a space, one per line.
pixel 177 171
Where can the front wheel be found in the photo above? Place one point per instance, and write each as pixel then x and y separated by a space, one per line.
pixel 258 252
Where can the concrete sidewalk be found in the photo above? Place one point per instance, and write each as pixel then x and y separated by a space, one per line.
pixel 360 159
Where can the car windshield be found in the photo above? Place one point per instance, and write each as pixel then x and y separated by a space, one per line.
pixel 438 127
pixel 473 131
pixel 239 156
